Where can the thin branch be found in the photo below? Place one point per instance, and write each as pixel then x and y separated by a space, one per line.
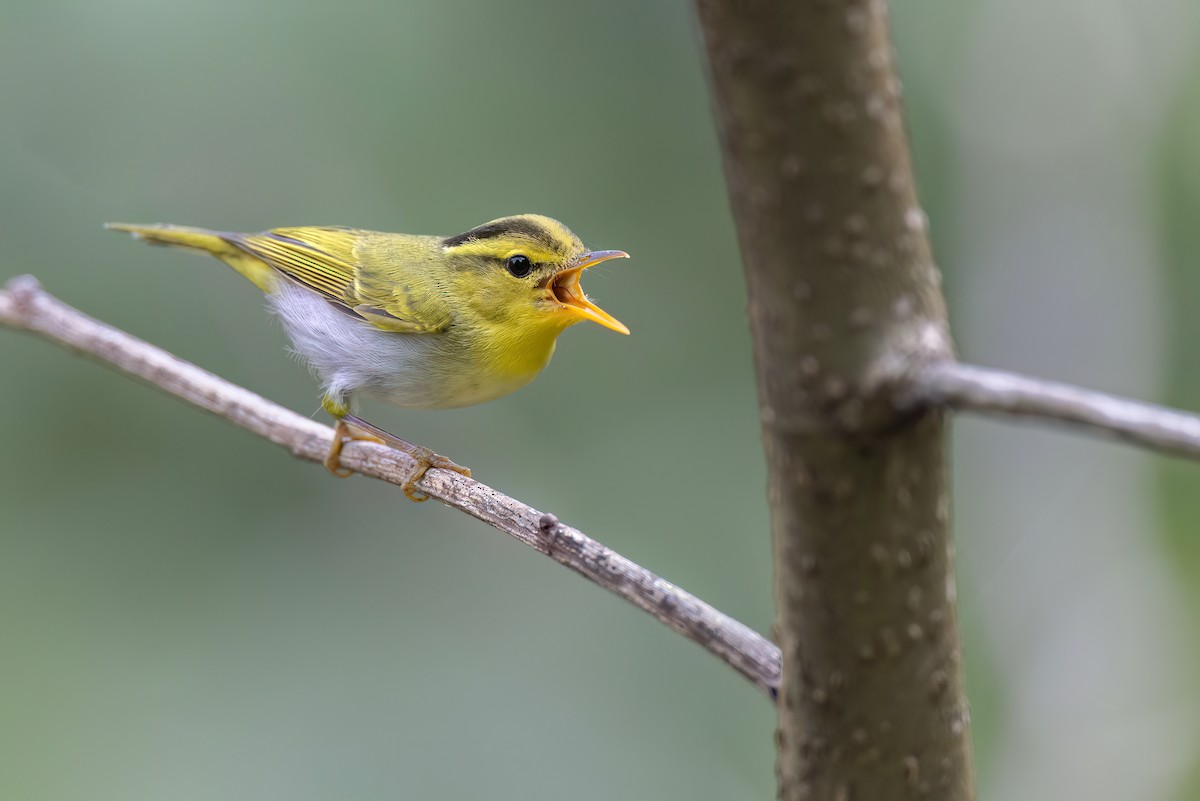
pixel 25 306
pixel 965 387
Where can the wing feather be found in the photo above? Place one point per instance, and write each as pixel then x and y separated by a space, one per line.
pixel 327 261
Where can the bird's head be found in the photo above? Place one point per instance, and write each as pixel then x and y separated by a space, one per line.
pixel 522 273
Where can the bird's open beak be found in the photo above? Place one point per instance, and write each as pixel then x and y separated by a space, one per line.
pixel 564 286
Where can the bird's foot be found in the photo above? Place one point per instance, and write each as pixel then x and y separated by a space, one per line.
pixel 341 433
pixel 425 458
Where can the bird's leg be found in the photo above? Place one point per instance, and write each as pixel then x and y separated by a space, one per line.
pixel 424 457
pixel 340 407
pixel 342 432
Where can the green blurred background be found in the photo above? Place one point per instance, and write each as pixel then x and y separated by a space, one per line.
pixel 188 613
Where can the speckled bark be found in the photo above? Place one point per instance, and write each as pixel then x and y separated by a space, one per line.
pixel 844 303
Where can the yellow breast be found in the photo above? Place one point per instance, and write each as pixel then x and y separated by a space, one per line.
pixel 493 361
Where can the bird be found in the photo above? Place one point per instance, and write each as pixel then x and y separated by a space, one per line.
pixel 422 322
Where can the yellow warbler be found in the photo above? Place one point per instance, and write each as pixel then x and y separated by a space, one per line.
pixel 420 321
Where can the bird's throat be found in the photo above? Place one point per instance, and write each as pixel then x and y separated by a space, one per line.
pixel 511 356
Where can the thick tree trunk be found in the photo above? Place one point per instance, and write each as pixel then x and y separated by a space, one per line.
pixel 844 301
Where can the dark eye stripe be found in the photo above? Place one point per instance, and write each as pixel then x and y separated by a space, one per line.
pixel 505 228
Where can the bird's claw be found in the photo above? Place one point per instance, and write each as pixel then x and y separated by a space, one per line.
pixel 341 433
pixel 426 461
pixel 355 428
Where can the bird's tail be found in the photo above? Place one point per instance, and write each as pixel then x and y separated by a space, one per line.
pixel 217 243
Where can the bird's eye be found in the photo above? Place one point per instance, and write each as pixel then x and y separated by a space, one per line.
pixel 520 266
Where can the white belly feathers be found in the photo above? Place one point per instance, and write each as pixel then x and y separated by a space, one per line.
pixel 351 356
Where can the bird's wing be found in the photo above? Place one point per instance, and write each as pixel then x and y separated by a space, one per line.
pixel 326 261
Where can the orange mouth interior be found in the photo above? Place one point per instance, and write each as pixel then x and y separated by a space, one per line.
pixel 565 289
